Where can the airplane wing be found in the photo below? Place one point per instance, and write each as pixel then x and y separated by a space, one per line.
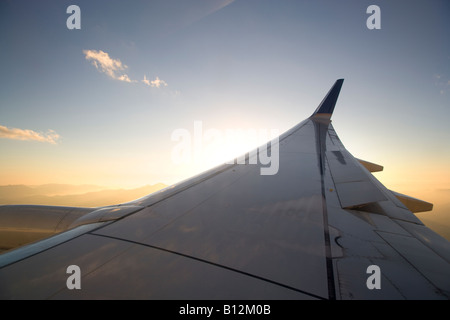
pixel 321 227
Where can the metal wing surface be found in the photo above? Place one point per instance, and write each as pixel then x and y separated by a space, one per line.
pixel 310 231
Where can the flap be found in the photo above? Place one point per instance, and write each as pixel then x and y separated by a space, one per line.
pixel 372 167
pixel 413 204
pixel 353 185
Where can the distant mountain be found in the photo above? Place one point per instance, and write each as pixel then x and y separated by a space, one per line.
pixel 15 191
pixel 72 195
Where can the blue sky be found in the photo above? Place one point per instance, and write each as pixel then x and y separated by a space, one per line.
pixel 245 64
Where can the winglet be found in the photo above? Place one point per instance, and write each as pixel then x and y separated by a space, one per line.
pixel 326 107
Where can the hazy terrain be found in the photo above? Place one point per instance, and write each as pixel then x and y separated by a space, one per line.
pixel 72 195
pixel 439 218
pixel 95 196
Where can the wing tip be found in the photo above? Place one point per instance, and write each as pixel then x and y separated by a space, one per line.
pixel 326 107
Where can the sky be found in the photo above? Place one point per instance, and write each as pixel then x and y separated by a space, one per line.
pixel 101 104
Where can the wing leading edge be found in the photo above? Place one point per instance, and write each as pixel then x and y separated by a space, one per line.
pixel 311 231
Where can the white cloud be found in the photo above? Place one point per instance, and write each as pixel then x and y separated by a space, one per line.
pixel 27 134
pixel 145 80
pixel 155 83
pixel 104 63
pixel 115 69
pixel 125 78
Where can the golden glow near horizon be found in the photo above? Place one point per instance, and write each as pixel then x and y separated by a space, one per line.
pixel 397 174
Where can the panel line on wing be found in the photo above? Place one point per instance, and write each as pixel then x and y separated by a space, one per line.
pixel 420 257
pixel 321 131
pixel 214 264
